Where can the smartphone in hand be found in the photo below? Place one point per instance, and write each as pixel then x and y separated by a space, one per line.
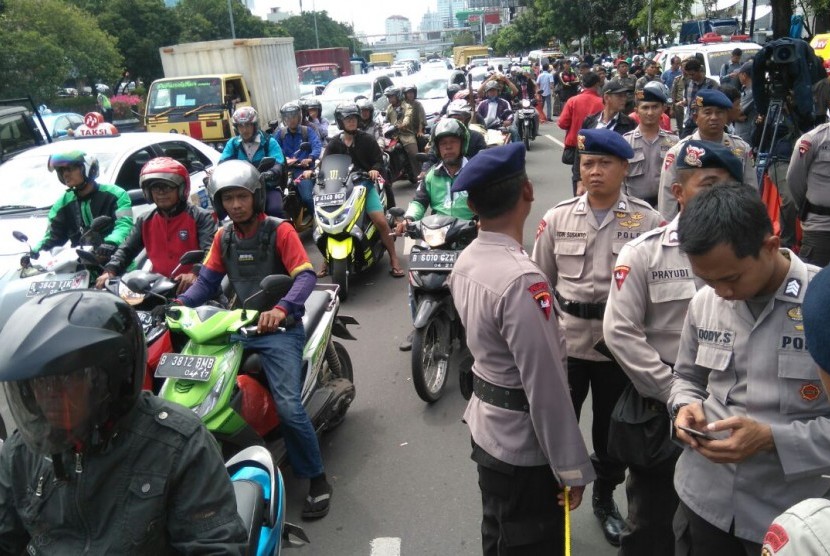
pixel 696 433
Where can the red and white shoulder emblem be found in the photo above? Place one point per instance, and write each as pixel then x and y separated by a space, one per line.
pixel 541 295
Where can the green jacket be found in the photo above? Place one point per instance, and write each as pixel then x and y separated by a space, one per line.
pixel 158 487
pixel 434 192
pixel 64 224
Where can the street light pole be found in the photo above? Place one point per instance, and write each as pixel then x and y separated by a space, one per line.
pixel 316 34
pixel 230 13
pixel 648 32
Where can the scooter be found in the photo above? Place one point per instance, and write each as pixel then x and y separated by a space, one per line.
pixel 399 166
pixel 526 122
pixel 227 388
pixel 496 134
pixel 56 270
pixel 440 239
pixel 293 206
pixel 260 501
pixel 344 233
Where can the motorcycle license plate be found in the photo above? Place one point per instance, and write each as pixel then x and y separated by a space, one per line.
pixel 80 280
pixel 432 260
pixel 187 367
pixel 328 199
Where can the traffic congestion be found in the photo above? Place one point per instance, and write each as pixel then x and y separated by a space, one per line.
pixel 435 302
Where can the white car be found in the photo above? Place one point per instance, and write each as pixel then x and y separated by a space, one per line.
pixel 30 189
pixel 715 55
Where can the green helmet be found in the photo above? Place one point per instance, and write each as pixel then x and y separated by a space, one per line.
pixel 67 159
pixel 449 127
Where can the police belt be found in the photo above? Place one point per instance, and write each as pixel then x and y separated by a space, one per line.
pixel 580 309
pixel 514 399
pixel 815 209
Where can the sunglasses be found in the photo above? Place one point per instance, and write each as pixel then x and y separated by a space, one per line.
pixel 162 187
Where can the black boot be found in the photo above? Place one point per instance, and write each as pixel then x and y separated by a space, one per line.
pixel 606 511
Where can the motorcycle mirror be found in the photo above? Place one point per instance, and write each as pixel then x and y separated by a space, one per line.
pixel 20 236
pixel 138 281
pixel 87 257
pixel 197 166
pixel 276 284
pixel 100 223
pixel 397 212
pixel 192 257
pixel 305 146
pixel 266 163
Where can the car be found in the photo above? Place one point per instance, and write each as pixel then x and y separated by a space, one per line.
pixel 18 131
pixel 330 102
pixel 31 189
pixel 436 64
pixel 432 87
pixel 370 85
pixel 58 124
pixel 714 54
pixel 478 74
pixel 505 64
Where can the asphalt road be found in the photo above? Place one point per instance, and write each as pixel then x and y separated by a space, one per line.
pixel 403 479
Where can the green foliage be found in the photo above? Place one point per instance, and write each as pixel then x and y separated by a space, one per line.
pixel 330 32
pixel 46 41
pixel 664 12
pixel 464 38
pixel 208 20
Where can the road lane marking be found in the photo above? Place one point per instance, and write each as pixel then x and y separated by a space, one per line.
pixel 555 140
pixel 386 546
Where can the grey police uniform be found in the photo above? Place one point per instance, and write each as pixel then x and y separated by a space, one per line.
pixel 739 366
pixel 643 180
pixel 809 180
pixel 651 289
pixel 666 203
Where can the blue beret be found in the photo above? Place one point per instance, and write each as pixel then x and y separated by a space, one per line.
pixel 816 324
pixel 603 141
pixel 704 154
pixel 491 166
pixel 712 97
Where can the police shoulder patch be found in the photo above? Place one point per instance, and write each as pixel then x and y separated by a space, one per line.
pixel 669 161
pixel 540 291
pixel 620 273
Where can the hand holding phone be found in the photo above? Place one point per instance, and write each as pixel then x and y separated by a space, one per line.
pixel 696 433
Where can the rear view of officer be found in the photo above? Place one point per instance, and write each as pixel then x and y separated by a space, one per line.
pixel 526 441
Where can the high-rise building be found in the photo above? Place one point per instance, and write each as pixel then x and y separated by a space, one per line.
pixel 398 29
pixel 447 10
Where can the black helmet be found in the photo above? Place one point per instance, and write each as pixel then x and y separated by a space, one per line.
pixel 73 370
pixel 290 109
pixel 410 88
pixel 344 111
pixel 392 92
pixel 452 90
pixel 366 104
pixel 311 102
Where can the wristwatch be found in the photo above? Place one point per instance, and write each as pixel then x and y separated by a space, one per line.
pixel 675 408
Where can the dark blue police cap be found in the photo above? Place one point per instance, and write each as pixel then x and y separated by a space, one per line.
pixel 703 154
pixel 603 141
pixel 491 166
pixel 653 92
pixel 816 324
pixel 712 97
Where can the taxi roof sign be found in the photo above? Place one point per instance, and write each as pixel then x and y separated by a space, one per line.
pixel 95 126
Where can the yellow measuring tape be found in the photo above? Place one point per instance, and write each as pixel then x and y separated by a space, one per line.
pixel 567 521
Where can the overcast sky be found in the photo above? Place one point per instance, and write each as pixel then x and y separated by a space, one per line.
pixel 368 16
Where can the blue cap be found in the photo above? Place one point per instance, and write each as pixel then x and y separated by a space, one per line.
pixel 491 166
pixel 712 97
pixel 816 324
pixel 603 141
pixel 704 154
pixel 654 91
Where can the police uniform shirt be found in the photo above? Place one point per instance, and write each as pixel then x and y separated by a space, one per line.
pixel 809 176
pixel 737 365
pixel 651 288
pixel 578 254
pixel 643 180
pixel 666 202
pixel 514 336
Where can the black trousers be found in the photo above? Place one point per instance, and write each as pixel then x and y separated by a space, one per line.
pixel 521 514
pixel 695 536
pixel 606 381
pixel 815 248
pixel 652 503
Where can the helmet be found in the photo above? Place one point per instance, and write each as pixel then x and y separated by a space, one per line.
pixel 290 109
pixel 449 127
pixel 245 115
pixel 74 370
pixel 307 103
pixel 344 111
pixel 490 85
pixel 235 173
pixel 392 92
pixel 459 108
pixel 515 70
pixel 366 104
pixel 410 88
pixel 69 159
pixel 452 90
pixel 657 86
pixel 164 168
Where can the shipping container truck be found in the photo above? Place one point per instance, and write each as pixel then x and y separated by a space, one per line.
pixel 339 56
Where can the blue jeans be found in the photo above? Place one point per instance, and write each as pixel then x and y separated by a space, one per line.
pixel 548 106
pixel 306 189
pixel 281 356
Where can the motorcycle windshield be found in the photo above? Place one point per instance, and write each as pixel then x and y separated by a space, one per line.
pixel 334 169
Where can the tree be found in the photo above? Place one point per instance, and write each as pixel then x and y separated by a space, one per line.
pixel 208 20
pixel 663 13
pixel 330 33
pixel 46 41
pixel 464 38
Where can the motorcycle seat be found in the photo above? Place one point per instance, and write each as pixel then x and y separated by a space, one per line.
pixel 250 505
pixel 315 307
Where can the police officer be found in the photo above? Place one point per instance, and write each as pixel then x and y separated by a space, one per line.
pixel 652 286
pixel 744 378
pixel 808 177
pixel 650 144
pixel 711 116
pixel 576 246
pixel 526 441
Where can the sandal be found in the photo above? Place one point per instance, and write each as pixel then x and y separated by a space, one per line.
pixel 317 506
pixel 396 272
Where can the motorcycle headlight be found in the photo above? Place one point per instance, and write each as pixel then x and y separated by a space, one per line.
pixel 525 103
pixel 210 401
pixel 436 237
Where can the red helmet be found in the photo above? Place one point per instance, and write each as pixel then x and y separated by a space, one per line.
pixel 164 168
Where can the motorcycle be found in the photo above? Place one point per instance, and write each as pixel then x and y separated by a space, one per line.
pixel 260 502
pixel 56 270
pixel 293 206
pixel 399 166
pixel 440 239
pixel 344 233
pixel 227 388
pixel 496 134
pixel 526 122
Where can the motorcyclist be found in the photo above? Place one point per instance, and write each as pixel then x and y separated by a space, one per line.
pixel 253 144
pixel 410 94
pixel 366 157
pixel 505 87
pixel 313 118
pixel 452 90
pixel 290 137
pixel 402 115
pixel 238 251
pixel 367 122
pixel 84 199
pixel 495 111
pixel 459 110
pixel 97 466
pixel 170 230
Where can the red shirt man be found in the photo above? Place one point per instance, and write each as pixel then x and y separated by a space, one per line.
pixel 579 107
